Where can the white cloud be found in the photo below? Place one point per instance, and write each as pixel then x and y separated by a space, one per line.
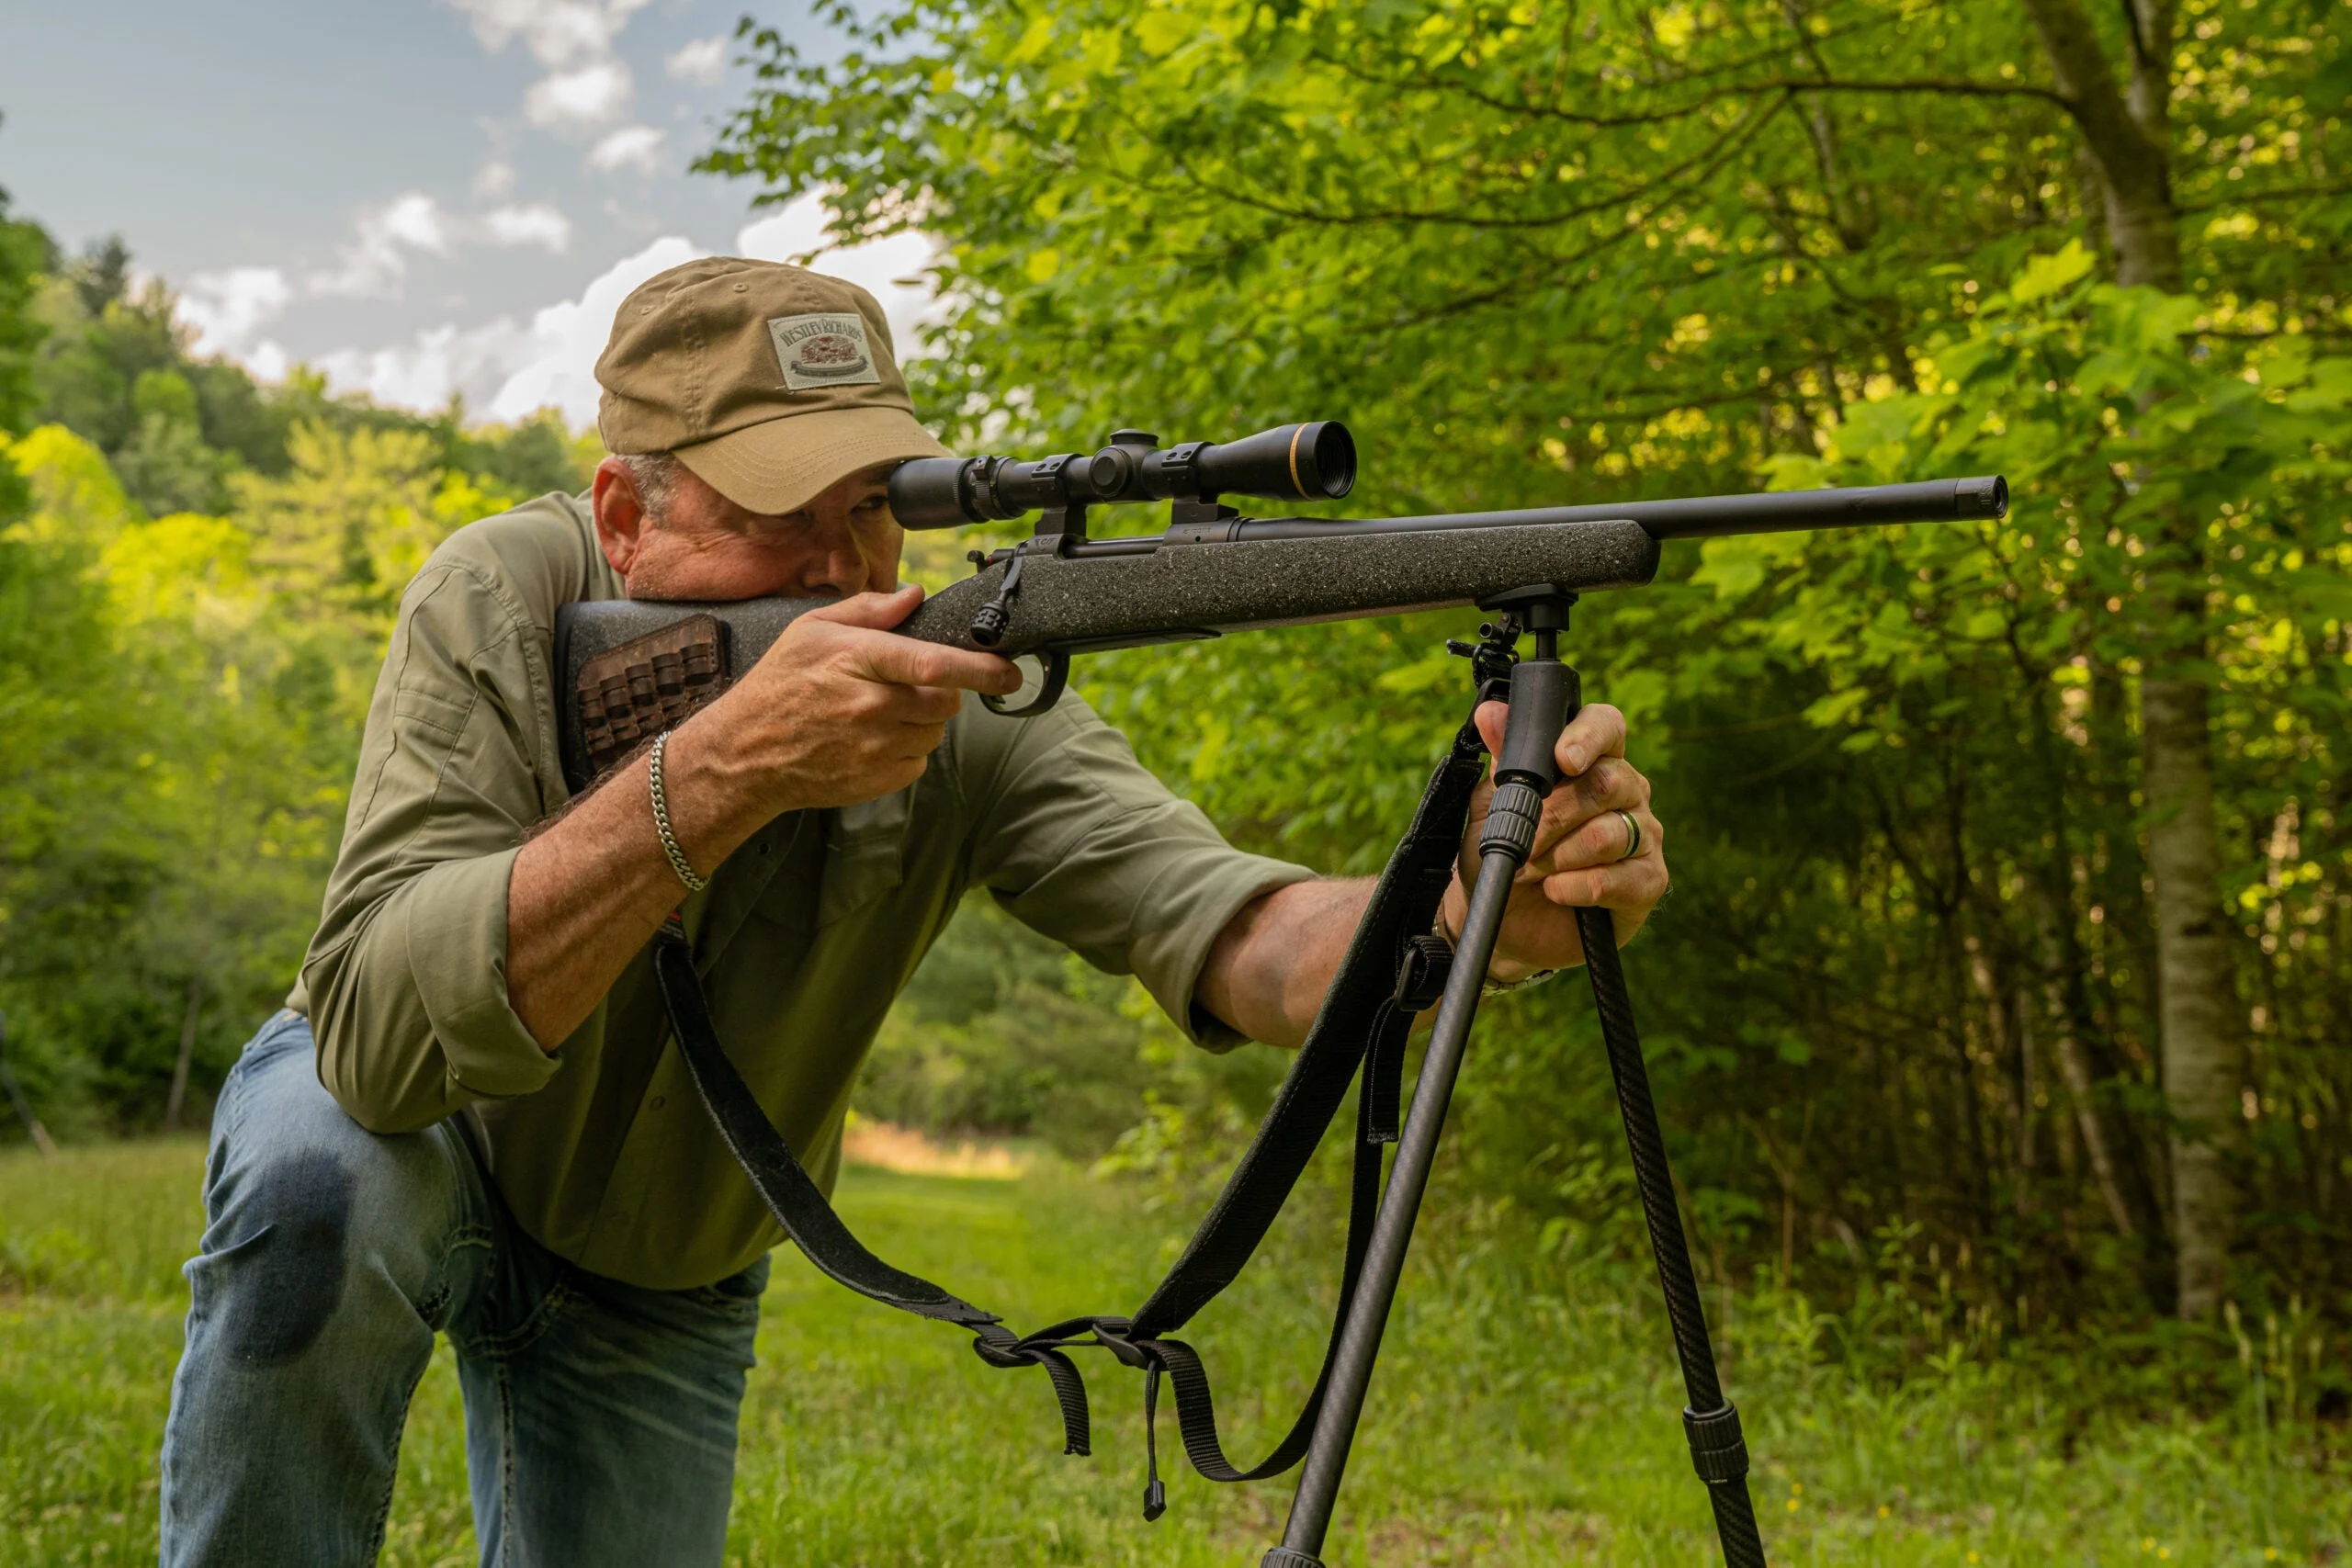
pixel 557 32
pixel 587 81
pixel 495 179
pixel 630 147
pixel 891 270
pixel 540 223
pixel 442 362
pixel 587 95
pixel 505 369
pixel 502 369
pixel 705 59
pixel 566 338
pixel 375 262
pixel 225 308
pixel 414 219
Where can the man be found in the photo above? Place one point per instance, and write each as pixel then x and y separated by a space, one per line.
pixel 469 1118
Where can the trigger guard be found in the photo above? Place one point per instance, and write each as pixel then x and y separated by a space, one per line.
pixel 1057 669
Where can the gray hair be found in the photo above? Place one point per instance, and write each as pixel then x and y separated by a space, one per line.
pixel 655 475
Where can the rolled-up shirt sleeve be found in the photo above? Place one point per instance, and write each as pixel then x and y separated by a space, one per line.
pixel 405 981
pixel 1080 842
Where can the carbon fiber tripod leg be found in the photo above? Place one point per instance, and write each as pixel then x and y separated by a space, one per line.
pixel 1717 1450
pixel 1541 693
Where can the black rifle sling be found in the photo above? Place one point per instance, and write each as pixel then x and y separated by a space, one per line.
pixel 800 1205
pixel 1392 970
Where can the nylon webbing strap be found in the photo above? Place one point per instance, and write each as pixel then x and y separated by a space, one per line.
pixel 800 1206
pixel 1402 906
pixel 1390 971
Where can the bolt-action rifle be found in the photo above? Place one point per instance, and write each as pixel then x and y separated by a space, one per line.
pixel 632 669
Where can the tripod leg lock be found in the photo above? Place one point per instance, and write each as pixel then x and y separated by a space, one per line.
pixel 1718 1451
pixel 1510 821
pixel 1284 1557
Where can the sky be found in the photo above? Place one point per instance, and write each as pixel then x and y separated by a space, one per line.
pixel 419 197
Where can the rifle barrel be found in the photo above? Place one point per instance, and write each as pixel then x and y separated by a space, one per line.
pixel 1706 516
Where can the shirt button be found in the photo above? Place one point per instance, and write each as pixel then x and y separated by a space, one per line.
pixel 660 1100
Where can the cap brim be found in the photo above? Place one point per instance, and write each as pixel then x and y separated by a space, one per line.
pixel 782 465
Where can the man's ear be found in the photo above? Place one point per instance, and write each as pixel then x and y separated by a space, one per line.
pixel 621 521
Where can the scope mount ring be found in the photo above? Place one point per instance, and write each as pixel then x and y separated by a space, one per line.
pixel 1056 664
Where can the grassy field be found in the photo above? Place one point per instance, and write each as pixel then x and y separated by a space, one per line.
pixel 1504 1429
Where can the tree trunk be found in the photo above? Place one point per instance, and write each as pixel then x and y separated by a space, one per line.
pixel 2200 1067
pixel 2129 137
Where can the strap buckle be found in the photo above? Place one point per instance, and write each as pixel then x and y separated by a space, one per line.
pixel 1111 1332
pixel 1421 972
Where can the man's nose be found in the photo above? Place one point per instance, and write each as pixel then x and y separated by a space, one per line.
pixel 837 566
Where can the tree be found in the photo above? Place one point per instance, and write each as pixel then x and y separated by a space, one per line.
pixel 1629 248
pixel 25 252
pixel 197 577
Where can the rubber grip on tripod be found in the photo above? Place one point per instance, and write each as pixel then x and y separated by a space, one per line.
pixel 1284 1557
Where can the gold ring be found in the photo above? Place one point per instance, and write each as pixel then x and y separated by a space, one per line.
pixel 1633 835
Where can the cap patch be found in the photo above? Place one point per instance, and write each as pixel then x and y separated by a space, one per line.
pixel 825 350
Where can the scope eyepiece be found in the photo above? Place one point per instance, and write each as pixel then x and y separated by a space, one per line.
pixel 1314 461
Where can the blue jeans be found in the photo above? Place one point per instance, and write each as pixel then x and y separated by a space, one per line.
pixel 600 1416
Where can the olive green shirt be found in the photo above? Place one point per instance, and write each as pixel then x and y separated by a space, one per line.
pixel 803 936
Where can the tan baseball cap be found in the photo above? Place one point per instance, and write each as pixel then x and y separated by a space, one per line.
pixel 770 382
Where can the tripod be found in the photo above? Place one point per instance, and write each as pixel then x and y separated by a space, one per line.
pixel 1543 695
pixel 1359 1038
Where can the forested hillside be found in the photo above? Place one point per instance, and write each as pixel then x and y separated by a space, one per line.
pixel 2008 981
pixel 196 578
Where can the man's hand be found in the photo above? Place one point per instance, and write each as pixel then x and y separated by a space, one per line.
pixel 1268 967
pixel 1579 857
pixel 838 711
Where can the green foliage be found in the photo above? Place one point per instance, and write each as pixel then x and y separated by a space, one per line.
pixel 112 367
pixel 1534 252
pixel 1001 1032
pixel 194 591
pixel 24 252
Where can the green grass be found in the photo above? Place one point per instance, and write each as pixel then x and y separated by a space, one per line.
pixel 1503 1430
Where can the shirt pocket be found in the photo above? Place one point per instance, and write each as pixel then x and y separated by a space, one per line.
pixel 787 903
pixel 864 854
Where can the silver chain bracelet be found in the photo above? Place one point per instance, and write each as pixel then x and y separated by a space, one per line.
pixel 678 861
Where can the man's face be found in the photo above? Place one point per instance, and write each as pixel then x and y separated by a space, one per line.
pixel 701 546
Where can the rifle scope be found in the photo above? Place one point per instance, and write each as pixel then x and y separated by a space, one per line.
pixel 1314 461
